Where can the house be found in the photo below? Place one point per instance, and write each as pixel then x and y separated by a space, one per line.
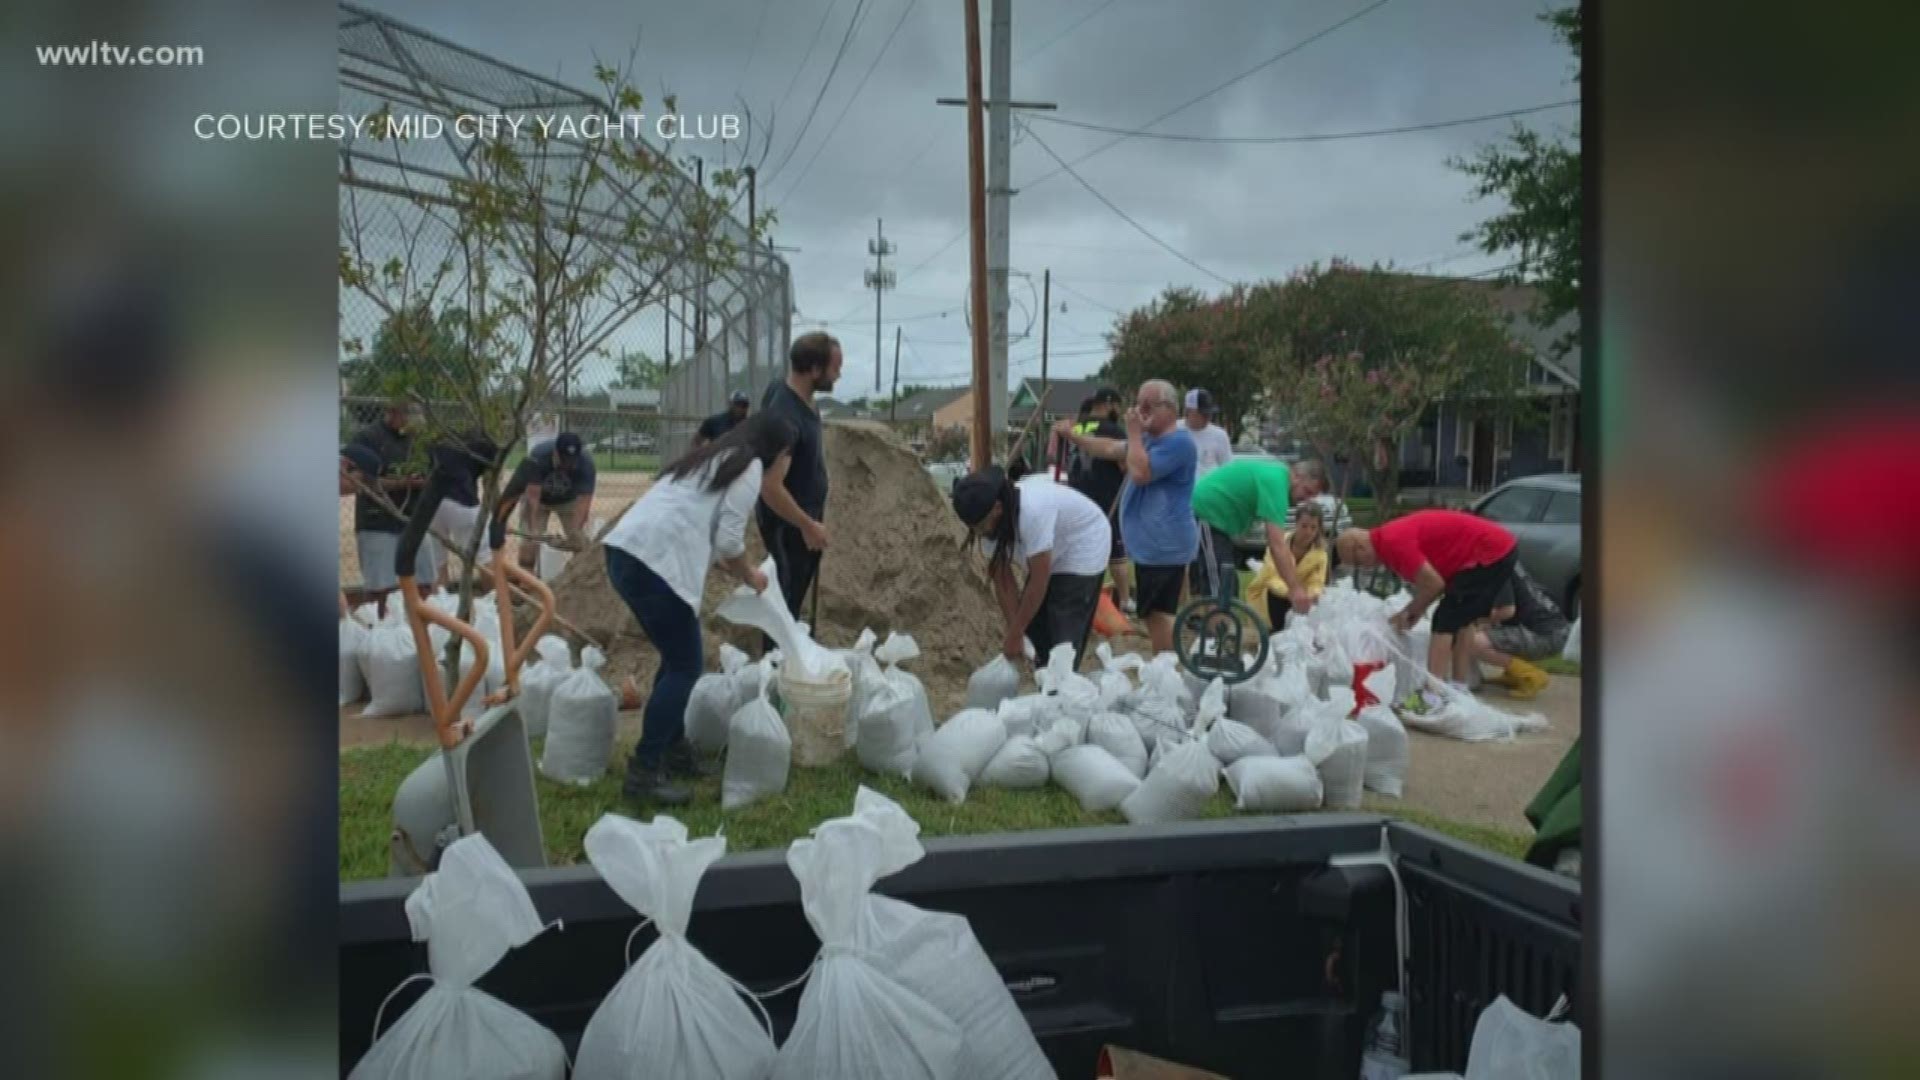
pixel 923 406
pixel 1063 398
pixel 835 409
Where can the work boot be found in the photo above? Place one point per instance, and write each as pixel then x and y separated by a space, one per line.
pixel 653 787
pixel 683 763
pixel 1525 680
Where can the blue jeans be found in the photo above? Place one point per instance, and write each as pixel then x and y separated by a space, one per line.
pixel 674 629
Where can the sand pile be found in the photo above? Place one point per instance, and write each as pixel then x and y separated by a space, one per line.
pixel 895 563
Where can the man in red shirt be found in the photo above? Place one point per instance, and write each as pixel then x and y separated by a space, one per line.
pixel 1459 559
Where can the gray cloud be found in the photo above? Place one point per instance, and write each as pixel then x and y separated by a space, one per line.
pixel 1244 211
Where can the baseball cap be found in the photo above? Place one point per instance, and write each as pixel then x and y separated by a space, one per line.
pixel 1200 399
pixel 567 445
pixel 739 398
pixel 362 458
pixel 1106 395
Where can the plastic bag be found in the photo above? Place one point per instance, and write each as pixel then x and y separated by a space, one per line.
pixel 866 676
pixel 716 697
pixel 1460 715
pixel 951 759
pixel 1019 764
pixel 1071 690
pixel 1511 1044
pixel 1337 747
pixel 993 684
pixel 1274 785
pixel 806 660
pixel 1113 680
pixel 353 647
pixel 855 1018
pixel 392 667
pixel 897 716
pixel 1061 732
pixel 1571 651
pixel 759 750
pixel 1095 778
pixel 1230 740
pixel 537 682
pixel 580 722
pixel 1115 733
pixel 1161 678
pixel 1023 715
pixel 1388 754
pixel 674 1013
pixel 469 912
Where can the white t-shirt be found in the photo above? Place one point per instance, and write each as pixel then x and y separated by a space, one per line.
pixel 1056 518
pixel 1215 449
pixel 680 527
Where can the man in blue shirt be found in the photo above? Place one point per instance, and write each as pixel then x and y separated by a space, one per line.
pixel 1156 507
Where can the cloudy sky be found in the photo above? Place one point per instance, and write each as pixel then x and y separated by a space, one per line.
pixel 1242 211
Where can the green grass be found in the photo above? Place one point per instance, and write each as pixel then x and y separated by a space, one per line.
pixel 369 776
pixel 1559 665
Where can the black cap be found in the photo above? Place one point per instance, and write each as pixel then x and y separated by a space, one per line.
pixel 362 458
pixel 740 398
pixel 567 445
pixel 1200 399
pixel 1106 395
pixel 975 493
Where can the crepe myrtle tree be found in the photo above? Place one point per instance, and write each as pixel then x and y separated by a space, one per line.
pixel 533 260
pixel 1192 340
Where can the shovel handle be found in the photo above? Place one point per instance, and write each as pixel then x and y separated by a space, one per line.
pixel 445 709
pixel 516 653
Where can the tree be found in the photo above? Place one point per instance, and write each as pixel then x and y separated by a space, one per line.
pixel 1360 355
pixel 638 371
pixel 1538 178
pixel 1190 340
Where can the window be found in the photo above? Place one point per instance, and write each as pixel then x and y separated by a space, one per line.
pixel 1560 432
pixel 1516 505
pixel 1563 509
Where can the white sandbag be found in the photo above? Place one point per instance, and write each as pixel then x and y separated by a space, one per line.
pixel 994 683
pixel 368 615
pixel 866 676
pixel 353 647
pixel 1060 733
pixel 494 678
pixel 674 1012
pixel 392 668
pixel 580 722
pixel 1115 733
pixel 1274 785
pixel 1154 718
pixel 857 1018
pixel 470 911
pixel 897 716
pixel 554 659
pixel 1114 681
pixel 1177 789
pixel 1161 678
pixel 1024 715
pixel 1511 1044
pixel 1230 740
pixel 1257 703
pixel 552 561
pixel 759 750
pixel 805 659
pixel 1388 754
pixel 1465 717
pixel 1095 778
pixel 951 759
pixel 1571 651
pixel 1019 764
pixel 716 696
pixel 1338 749
pixel 1072 692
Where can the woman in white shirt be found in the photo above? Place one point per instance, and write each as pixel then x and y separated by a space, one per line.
pixel 1062 539
pixel 694 516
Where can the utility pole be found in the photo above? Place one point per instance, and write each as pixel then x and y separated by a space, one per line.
pixel 1046 310
pixel 759 287
pixel 879 279
pixel 977 246
pixel 893 398
pixel 700 309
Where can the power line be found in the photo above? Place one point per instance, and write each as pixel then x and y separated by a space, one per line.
pixel 853 25
pixel 1055 39
pixel 808 55
pixel 1063 287
pixel 754 49
pixel 1326 137
pixel 848 107
pixel 1139 228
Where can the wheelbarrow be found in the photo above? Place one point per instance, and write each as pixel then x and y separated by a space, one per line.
pixel 481 778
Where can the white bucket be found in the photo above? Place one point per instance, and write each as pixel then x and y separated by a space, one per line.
pixel 816 717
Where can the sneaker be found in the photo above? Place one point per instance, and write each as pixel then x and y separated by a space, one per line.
pixel 683 763
pixel 1131 607
pixel 654 788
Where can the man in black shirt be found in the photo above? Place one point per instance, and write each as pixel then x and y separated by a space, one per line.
pixel 793 496
pixel 1100 480
pixel 376 529
pixel 556 479
pixel 720 423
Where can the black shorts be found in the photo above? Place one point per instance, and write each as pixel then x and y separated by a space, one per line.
pixel 1119 553
pixel 1473 594
pixel 1065 616
pixel 1157 589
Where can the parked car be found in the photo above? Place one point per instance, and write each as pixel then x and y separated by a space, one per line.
pixel 1543 513
pixel 1253 542
pixel 631 441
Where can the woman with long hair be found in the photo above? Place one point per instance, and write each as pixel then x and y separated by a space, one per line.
pixel 1307 542
pixel 693 517
pixel 1058 536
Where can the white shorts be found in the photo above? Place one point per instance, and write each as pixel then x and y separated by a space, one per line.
pixel 460 523
pixel 377 550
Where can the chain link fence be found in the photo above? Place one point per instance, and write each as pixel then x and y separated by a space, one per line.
pixel 703 332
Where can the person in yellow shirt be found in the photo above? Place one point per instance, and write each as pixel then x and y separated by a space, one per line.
pixel 1307 542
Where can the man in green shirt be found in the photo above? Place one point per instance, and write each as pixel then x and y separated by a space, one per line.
pixel 1230 498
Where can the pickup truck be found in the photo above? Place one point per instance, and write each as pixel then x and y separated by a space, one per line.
pixel 1249 947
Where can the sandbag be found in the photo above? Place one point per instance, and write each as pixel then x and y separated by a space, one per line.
pixel 1154 718
pixel 759 750
pixel 993 684
pixel 580 722
pixel 857 1018
pixel 1116 734
pixel 804 659
pixel 1337 747
pixel 1388 754
pixel 1511 1044
pixel 1095 778
pixel 716 696
pixel 1161 678
pixel 1018 764
pixel 554 659
pixel 1230 740
pixel 951 759
pixel 1024 715
pixel 394 687
pixel 896 717
pixel 1072 692
pixel 674 1013
pixel 1060 733
pixel 1274 785
pixel 353 647
pixel 1177 789
pixel 470 911
pixel 1571 650
pixel 866 676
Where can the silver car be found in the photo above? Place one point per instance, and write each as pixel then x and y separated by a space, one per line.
pixel 1543 513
